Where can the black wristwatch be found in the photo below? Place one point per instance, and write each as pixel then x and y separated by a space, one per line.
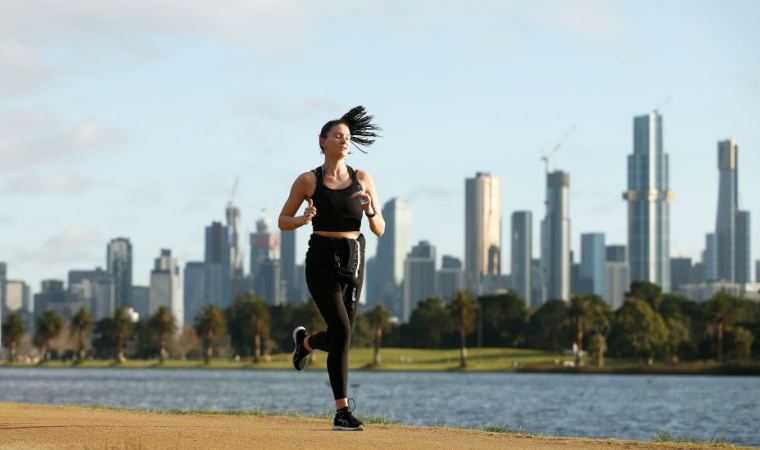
pixel 371 216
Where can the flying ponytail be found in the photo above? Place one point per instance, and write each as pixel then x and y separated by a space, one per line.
pixel 359 123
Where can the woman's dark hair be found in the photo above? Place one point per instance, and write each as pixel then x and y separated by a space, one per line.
pixel 363 131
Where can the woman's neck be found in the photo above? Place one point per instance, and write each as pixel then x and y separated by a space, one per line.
pixel 334 166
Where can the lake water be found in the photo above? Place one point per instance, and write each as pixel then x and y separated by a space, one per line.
pixel 620 406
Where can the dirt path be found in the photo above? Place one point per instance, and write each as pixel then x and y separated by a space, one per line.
pixel 25 427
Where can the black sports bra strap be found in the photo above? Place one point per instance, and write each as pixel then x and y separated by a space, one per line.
pixel 352 172
pixel 318 173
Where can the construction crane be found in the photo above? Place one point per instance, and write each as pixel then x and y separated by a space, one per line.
pixel 545 158
pixel 234 189
pixel 662 105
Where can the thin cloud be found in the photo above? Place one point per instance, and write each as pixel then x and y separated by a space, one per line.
pixel 32 145
pixel 56 183
pixel 22 69
pixel 279 109
pixel 75 244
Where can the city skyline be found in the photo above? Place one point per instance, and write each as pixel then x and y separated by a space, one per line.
pixel 142 132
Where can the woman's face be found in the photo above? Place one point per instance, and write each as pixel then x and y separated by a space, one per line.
pixel 337 141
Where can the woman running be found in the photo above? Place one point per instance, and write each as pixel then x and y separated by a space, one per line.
pixel 337 196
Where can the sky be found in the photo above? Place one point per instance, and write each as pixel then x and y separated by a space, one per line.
pixel 134 118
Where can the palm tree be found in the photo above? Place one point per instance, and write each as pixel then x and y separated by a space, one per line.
pixel 13 330
pixel 248 317
pixel 721 311
pixel 210 326
pixel 600 316
pixel 49 326
pixel 162 324
pixel 80 324
pixel 462 311
pixel 579 312
pixel 378 320
pixel 122 329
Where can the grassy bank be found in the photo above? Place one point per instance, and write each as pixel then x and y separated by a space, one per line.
pixel 405 359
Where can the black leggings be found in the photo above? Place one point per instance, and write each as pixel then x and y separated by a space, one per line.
pixel 329 294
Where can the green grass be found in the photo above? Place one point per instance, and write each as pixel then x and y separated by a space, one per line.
pixel 397 359
pixel 666 436
pixel 409 359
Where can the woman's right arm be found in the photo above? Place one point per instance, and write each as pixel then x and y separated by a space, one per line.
pixel 301 190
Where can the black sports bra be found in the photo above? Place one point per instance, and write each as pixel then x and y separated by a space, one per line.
pixel 336 210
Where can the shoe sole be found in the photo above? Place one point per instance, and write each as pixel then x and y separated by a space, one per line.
pixel 359 428
pixel 299 367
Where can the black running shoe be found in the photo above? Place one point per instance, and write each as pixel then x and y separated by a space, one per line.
pixel 345 421
pixel 300 354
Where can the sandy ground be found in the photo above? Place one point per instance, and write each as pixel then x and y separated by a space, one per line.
pixel 25 427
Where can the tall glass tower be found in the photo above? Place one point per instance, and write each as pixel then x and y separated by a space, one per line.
pixel 555 238
pixel 522 253
pixel 119 264
pixel 648 198
pixel 482 229
pixel 731 224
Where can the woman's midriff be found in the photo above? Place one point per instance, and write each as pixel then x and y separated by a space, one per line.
pixel 338 234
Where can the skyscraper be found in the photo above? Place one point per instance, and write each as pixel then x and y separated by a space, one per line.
pixel 119 264
pixel 96 289
pixel 268 285
pixel 710 257
pixel 165 287
pixel 288 265
pixel 264 245
pixel 236 246
pixel 419 277
pixel 522 254
pixel 593 264
pixel 450 278
pixel 648 198
pixel 218 251
pixel 555 237
pixel 55 297
pixel 743 248
pixel 680 272
pixel 202 287
pixel 757 271
pixel 482 229
pixel 728 207
pixel 392 248
pixel 616 253
pixel 617 282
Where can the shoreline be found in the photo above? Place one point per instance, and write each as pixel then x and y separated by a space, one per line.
pixel 702 369
pixel 76 427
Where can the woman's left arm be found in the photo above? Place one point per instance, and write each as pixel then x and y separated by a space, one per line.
pixel 376 223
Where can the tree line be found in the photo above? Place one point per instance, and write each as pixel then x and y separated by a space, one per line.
pixel 648 326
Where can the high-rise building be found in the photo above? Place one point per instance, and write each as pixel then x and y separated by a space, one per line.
pixel 141 301
pixel 757 271
pixel 482 229
pixel 593 264
pixel 538 287
pixel 450 278
pixel 743 248
pixel 54 297
pixel 710 257
pixel 681 271
pixel 3 278
pixel 288 266
pixel 728 207
pixel 616 253
pixel 237 270
pixel 617 281
pixel 202 287
pixel 419 277
pixel 555 237
pixel 264 245
pixel 96 289
pixel 165 287
pixel 268 285
pixel 119 264
pixel 218 251
pixel 522 254
pixel 648 198
pixel 392 248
